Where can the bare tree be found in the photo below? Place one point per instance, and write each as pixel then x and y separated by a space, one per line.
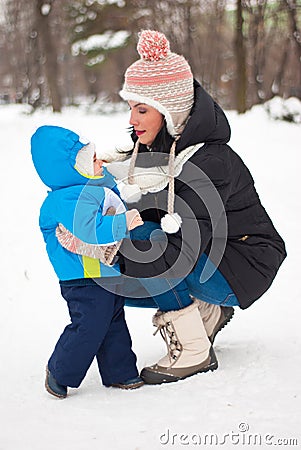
pixel 49 51
pixel 295 34
pixel 240 51
pixel 242 55
pixel 273 49
pixel 258 46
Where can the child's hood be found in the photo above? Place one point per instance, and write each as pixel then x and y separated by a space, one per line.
pixel 54 150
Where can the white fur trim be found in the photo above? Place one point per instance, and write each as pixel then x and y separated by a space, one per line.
pixel 171 223
pixel 161 318
pixel 84 159
pixel 130 193
pixel 128 96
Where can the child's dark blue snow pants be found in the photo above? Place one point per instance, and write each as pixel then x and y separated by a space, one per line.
pixel 97 328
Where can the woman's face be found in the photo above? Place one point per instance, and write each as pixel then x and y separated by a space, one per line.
pixel 146 120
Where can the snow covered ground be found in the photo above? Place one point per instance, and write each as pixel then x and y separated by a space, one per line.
pixel 252 401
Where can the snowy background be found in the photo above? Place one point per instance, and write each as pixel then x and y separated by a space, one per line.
pixel 254 397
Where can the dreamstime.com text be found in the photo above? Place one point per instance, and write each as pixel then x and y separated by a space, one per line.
pixel 240 437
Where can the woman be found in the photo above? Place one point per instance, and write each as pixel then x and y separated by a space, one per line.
pixel 218 241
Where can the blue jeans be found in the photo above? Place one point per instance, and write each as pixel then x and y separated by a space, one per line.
pixel 215 290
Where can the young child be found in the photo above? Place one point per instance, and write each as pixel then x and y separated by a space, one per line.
pixel 83 222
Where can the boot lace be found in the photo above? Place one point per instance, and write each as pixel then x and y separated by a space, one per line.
pixel 174 347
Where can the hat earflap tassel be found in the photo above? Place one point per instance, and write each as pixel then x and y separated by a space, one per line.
pixel 171 222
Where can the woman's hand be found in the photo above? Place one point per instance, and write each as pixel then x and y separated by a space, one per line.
pixel 133 219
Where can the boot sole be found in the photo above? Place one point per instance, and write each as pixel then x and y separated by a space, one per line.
pixel 129 387
pixel 49 390
pixel 222 324
pixel 156 377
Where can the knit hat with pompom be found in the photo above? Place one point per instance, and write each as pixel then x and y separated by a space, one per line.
pixel 160 79
pixel 163 80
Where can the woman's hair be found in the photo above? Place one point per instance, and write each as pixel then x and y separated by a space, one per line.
pixel 163 140
pixel 161 144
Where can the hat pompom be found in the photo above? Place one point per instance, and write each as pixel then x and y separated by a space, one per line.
pixel 153 45
pixel 130 193
pixel 171 223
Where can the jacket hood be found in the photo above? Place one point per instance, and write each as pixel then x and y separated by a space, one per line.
pixel 54 151
pixel 207 122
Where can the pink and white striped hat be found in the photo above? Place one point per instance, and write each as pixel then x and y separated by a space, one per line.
pixel 160 79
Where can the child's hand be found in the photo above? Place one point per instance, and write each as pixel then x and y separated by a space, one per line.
pixel 133 219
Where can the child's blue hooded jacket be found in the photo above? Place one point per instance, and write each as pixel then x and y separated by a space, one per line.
pixel 75 201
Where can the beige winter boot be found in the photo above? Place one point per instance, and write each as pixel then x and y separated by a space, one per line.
pixel 214 317
pixel 189 349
